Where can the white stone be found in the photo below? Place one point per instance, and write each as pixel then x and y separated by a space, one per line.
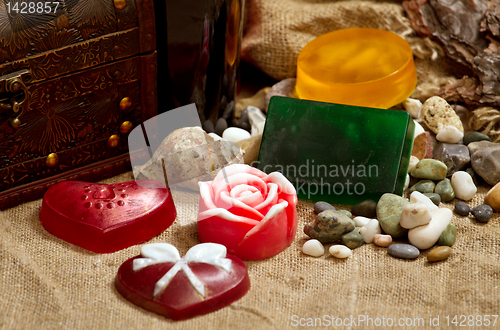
pixel 257 120
pixel 413 107
pixel 361 221
pixel 407 181
pixel 417 196
pixel 423 237
pixel 215 136
pixel 414 215
pixel 450 134
pixel 369 230
pixel 340 251
pixel 259 129
pixel 413 162
pixel 235 134
pixel 418 130
pixel 314 248
pixel 463 185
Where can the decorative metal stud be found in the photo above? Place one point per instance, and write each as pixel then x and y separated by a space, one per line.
pixel 126 127
pixel 113 141
pixel 52 160
pixel 125 103
pixel 120 4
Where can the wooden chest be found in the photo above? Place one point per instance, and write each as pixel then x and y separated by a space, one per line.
pixel 74 80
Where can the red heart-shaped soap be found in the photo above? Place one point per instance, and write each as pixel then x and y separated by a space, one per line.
pixel 106 218
pixel 179 297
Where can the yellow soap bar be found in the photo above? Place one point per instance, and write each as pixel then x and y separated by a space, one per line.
pixel 358 66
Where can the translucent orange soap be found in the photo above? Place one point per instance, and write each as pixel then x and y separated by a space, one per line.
pixel 358 66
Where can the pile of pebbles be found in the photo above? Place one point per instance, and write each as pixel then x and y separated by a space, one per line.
pixel 439 171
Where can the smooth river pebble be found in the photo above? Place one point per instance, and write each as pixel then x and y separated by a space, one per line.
pixel 462 209
pixel 463 185
pixel 403 251
pixel 439 253
pixel 492 198
pixel 382 240
pixel 235 134
pixel 423 237
pixel 414 215
pixel 417 197
pixel 450 134
pixel 323 206
pixel 482 213
pixel 340 251
pixel 314 248
pixel 369 230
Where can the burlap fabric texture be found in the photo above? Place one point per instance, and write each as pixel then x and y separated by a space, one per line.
pixel 47 283
pixel 276 31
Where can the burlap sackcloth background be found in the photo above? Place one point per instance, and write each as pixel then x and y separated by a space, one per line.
pixel 47 283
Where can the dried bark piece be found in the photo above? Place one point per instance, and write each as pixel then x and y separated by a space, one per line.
pixel 486 120
pixel 456 26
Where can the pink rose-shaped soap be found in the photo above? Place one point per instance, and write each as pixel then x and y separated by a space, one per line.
pixel 251 213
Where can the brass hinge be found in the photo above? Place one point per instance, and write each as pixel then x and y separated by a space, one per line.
pixel 14 94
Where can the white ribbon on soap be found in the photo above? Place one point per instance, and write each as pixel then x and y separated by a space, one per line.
pixel 208 253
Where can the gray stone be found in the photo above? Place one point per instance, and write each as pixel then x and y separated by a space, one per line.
pixel 485 159
pixel 455 156
pixel 445 190
pixel 353 240
pixel 208 126
pixel 323 206
pixel 329 226
pixel 430 169
pixel 389 209
pixel 448 236
pixel 366 208
pixel 473 136
pixel 220 126
pixel 403 251
pixel 482 213
pixel 424 186
pixel 462 209
pixel 244 121
pixel 435 198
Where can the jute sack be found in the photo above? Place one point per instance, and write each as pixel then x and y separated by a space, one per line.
pixel 276 31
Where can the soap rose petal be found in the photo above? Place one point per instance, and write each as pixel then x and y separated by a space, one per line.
pixel 230 229
pixel 273 230
pixel 259 217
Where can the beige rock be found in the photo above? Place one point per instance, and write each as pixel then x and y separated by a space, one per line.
pixel 414 215
pixel 251 148
pixel 423 237
pixel 257 100
pixel 492 198
pixel 382 240
pixel 437 114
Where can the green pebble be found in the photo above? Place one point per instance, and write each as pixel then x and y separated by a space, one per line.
pixel 470 137
pixel 448 236
pixel 352 240
pixel 345 212
pixel 445 190
pixel 430 169
pixel 389 209
pixel 435 198
pixel 424 186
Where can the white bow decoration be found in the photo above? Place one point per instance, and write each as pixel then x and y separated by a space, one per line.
pixel 208 253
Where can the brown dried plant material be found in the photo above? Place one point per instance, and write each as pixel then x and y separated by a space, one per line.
pixel 468 31
pixel 487 121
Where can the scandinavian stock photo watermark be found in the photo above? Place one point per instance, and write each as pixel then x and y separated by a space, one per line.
pixel 310 179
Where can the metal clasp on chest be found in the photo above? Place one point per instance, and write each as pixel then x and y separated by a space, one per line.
pixel 14 95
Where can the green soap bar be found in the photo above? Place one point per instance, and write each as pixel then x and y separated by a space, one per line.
pixel 337 153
